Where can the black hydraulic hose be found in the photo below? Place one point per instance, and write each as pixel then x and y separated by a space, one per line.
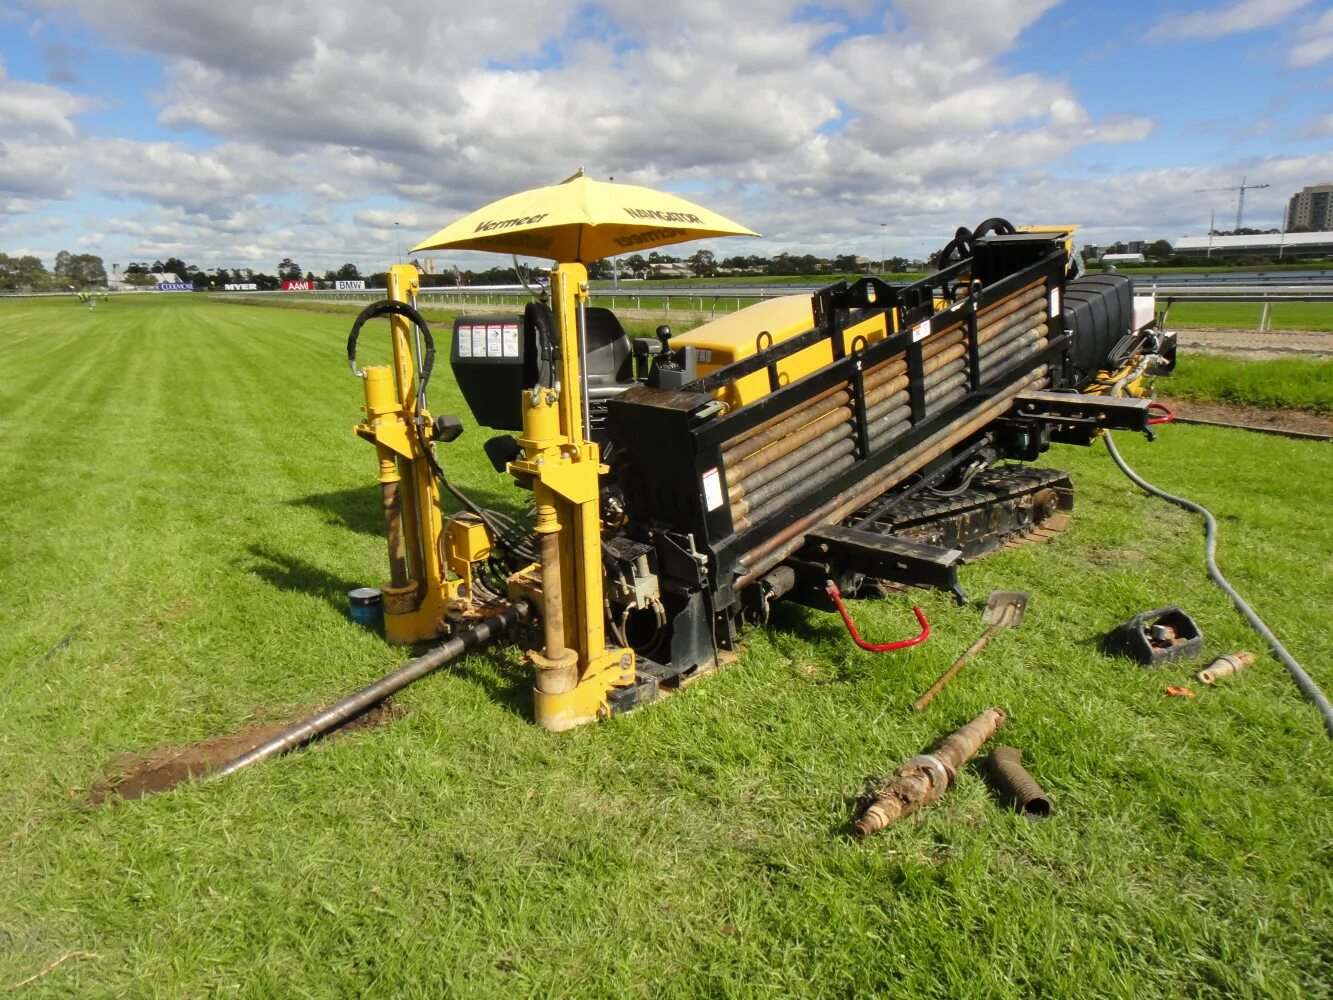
pixel 1303 680
pixel 386 307
pixel 353 705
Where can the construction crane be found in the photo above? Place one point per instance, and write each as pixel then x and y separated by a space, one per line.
pixel 1240 200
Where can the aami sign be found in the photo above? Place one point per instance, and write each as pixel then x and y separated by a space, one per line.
pixel 350 286
pixel 298 286
pixel 175 286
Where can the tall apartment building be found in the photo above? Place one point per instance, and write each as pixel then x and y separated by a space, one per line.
pixel 1311 209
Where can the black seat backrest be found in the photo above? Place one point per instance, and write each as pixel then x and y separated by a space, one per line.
pixel 610 360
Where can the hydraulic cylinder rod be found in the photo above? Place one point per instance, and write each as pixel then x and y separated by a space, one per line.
pixel 353 705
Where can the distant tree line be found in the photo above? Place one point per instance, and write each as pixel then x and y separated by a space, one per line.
pixel 71 271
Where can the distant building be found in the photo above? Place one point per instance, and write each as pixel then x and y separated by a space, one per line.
pixel 1311 209
pixel 1123 258
pixel 670 270
pixel 1293 245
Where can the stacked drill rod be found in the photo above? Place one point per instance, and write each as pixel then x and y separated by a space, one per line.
pixel 797 453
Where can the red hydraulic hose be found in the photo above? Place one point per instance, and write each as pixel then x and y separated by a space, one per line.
pixel 1168 415
pixel 831 589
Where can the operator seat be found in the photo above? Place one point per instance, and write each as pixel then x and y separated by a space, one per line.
pixel 609 363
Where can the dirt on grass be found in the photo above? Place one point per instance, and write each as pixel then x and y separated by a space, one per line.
pixel 164 767
pixel 1256 346
pixel 1298 421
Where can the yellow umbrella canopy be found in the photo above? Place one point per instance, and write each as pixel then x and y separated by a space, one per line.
pixel 582 220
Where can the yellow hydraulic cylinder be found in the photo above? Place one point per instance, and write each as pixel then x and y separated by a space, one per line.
pixel 418 592
pixel 575 670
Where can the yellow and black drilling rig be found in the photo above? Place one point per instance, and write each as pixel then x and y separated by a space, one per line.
pixel 871 435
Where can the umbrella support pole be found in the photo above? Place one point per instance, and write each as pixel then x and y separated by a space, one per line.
pixel 577 671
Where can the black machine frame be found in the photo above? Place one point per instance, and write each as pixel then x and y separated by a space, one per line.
pixel 686 437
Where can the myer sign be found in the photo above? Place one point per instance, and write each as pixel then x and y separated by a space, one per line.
pixel 350 286
pixel 243 286
pixel 175 286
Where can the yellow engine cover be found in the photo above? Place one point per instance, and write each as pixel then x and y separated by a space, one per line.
pixel 740 334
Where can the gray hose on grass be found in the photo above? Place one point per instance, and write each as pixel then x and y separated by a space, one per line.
pixel 1303 680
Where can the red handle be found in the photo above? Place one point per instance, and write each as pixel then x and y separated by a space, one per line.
pixel 831 589
pixel 1168 415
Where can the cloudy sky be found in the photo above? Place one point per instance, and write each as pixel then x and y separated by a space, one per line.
pixel 234 134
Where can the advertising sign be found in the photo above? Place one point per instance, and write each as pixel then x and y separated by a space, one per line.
pixel 241 286
pixel 298 286
pixel 350 286
pixel 175 286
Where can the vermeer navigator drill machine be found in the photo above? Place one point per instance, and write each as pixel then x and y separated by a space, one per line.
pixel 866 438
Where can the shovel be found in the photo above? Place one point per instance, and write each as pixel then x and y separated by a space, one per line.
pixel 1004 609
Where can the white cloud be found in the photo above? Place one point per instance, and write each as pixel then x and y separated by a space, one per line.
pixel 28 109
pixel 1213 22
pixel 334 119
pixel 1320 127
pixel 1315 45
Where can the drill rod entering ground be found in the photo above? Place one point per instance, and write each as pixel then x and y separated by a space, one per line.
pixel 353 705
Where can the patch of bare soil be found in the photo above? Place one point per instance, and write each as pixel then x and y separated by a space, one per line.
pixel 1114 557
pixel 164 767
pixel 1256 346
pixel 1252 416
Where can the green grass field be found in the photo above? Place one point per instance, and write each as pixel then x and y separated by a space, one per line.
pixel 185 504
pixel 1283 383
pixel 1245 315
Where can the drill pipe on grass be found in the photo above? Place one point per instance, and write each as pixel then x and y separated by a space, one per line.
pixel 353 705
pixel 1005 769
pixel 1225 666
pixel 924 778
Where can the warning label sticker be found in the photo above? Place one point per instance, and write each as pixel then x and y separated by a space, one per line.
pixel 511 340
pixel 494 344
pixel 921 331
pixel 464 337
pixel 712 481
pixel 1055 302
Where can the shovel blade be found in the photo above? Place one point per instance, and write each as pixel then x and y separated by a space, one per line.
pixel 1005 608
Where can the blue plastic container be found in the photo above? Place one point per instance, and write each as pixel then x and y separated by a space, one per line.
pixel 366 606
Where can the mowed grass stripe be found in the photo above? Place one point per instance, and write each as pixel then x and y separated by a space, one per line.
pixel 695 848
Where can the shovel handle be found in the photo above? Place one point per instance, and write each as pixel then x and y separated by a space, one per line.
pixel 920 704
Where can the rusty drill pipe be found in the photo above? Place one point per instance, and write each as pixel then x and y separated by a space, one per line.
pixel 1225 666
pixel 998 313
pixel 990 329
pixel 994 360
pixel 771 462
pixel 997 363
pixel 804 484
pixel 1000 343
pixel 491 627
pixel 788 460
pixel 924 778
pixel 794 478
pixel 393 523
pixel 777 428
pixel 782 544
pixel 745 449
pixel 553 615
pixel 792 439
pixel 1004 767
